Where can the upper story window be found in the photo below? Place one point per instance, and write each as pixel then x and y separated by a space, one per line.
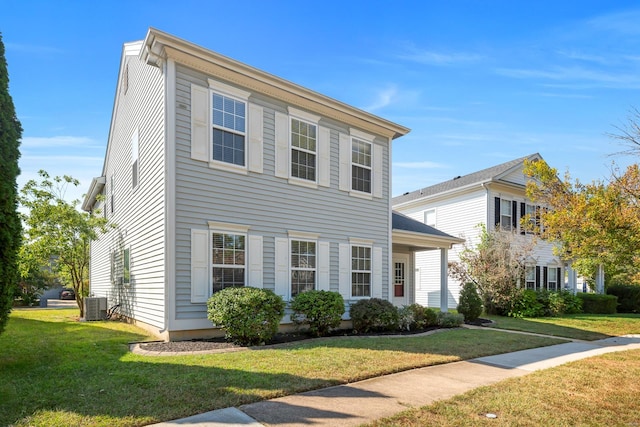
pixel 303 150
pixel 229 129
pixel 430 217
pixel 303 266
pixel 360 166
pixel 505 214
pixel 228 260
pixel 360 271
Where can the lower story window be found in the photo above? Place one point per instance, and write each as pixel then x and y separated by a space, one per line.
pixel 530 277
pixel 360 271
pixel 303 266
pixel 552 279
pixel 228 260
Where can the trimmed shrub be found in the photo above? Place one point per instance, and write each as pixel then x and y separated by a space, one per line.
pixel 628 297
pixel 321 310
pixel 450 320
pixel 430 317
pixel 598 303
pixel 250 316
pixel 406 319
pixel 527 305
pixel 422 317
pixel 374 314
pixel 470 305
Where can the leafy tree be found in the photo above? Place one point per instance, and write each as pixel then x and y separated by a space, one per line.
pixel 56 228
pixel 592 224
pixel 495 266
pixel 34 278
pixel 10 228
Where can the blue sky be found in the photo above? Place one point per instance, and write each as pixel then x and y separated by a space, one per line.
pixel 479 83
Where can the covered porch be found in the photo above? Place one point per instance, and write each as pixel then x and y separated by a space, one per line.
pixel 408 237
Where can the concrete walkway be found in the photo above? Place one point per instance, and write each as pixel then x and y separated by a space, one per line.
pixel 364 401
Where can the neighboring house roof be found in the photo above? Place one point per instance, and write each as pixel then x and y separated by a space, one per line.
pixel 409 231
pixel 492 174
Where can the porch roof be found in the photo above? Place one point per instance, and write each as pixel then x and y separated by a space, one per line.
pixel 415 235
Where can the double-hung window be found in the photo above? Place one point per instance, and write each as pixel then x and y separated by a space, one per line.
pixel 229 260
pixel 229 129
pixel 532 218
pixel 530 277
pixel 360 271
pixel 552 278
pixel 361 165
pixel 505 214
pixel 303 150
pixel 303 266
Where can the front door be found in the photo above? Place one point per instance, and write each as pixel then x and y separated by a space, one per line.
pixel 399 288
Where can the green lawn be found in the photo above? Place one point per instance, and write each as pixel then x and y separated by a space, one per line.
pixel 577 326
pixel 55 371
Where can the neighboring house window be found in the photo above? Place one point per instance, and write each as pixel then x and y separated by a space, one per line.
pixel 229 120
pixel 505 214
pixel 530 277
pixel 134 159
pixel 552 278
pixel 430 217
pixel 360 165
pixel 360 271
pixel 126 266
pixel 303 150
pixel 229 260
pixel 303 266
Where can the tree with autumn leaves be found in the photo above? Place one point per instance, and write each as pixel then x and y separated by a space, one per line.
pixel 597 223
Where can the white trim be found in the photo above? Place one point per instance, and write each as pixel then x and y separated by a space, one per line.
pixel 303 182
pixel 170 196
pixel 291 268
pixel 200 266
pixel 360 242
pixel 255 255
pixel 371 168
pixel 227 227
pixel 230 167
pixel 212 265
pixel 302 235
pixel 282 137
pixel 370 271
pixel 255 146
pixel 200 122
pixel 282 267
pixel 304 115
pixel 345 162
pixel 323 280
pixel 361 194
pixel 323 166
pixel 295 179
pixel 226 89
pixel 361 135
pixel 221 164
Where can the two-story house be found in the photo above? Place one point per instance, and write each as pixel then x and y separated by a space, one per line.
pixel 218 174
pixel 492 197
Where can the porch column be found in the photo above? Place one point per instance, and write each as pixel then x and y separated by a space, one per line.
pixel 600 280
pixel 444 275
pixel 573 279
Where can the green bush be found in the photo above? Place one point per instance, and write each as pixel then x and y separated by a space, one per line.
pixel 526 305
pixel 250 316
pixel 450 320
pixel 321 310
pixel 406 319
pixel 628 297
pixel 470 305
pixel 375 314
pixel 598 303
pixel 414 317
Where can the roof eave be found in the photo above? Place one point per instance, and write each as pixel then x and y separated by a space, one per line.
pixel 97 184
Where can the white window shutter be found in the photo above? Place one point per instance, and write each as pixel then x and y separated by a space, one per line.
pixel 378 173
pixel 323 267
pixel 344 255
pixel 282 145
pixel 345 162
pixel 199 123
pixel 376 280
pixel 282 267
pixel 324 161
pixel 255 262
pixel 255 148
pixel 199 266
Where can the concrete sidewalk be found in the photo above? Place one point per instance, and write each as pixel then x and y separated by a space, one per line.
pixel 364 401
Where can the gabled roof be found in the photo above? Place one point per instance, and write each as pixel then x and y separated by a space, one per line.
pixel 492 174
pixel 407 230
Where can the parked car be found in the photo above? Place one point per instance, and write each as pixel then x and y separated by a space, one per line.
pixel 67 293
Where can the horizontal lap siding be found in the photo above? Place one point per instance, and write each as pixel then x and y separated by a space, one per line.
pixel 269 205
pixel 139 213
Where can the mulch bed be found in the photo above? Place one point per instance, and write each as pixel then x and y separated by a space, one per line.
pixel 221 343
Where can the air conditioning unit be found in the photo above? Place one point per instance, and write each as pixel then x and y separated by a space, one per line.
pixel 95 308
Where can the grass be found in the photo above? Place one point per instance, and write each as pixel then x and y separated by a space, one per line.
pixel 576 326
pixel 55 371
pixel 598 391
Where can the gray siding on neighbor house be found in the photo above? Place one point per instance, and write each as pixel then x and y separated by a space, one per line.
pixel 139 212
pixel 269 205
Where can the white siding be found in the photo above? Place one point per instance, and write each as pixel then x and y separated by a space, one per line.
pixel 139 212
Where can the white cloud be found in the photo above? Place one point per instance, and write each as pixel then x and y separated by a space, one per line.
pixel 625 23
pixel 383 98
pixel 438 58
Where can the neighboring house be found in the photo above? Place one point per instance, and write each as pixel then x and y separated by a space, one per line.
pixel 493 196
pixel 218 174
